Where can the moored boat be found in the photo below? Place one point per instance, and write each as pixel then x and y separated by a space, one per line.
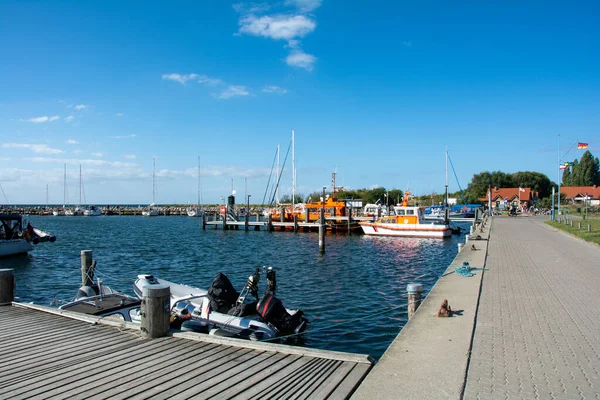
pixel 14 240
pixel 92 211
pixel 407 221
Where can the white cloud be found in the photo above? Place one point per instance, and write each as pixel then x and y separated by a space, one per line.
pixel 278 27
pixel 179 77
pixel 69 118
pixel 39 120
pixel 72 141
pixel 123 137
pixel 300 59
pixel 36 148
pixel 207 80
pixel 97 154
pixel 116 164
pixel 233 91
pixel 129 156
pixel 80 107
pixel 119 114
pixel 251 8
pixel 274 89
pixel 304 5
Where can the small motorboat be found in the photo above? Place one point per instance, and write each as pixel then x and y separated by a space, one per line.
pixel 222 311
pixel 15 240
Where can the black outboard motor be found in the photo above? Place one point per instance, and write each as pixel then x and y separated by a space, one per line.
pixel 271 309
pixel 222 294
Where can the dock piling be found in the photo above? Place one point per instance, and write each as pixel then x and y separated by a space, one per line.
pixel 156 311
pixel 322 232
pixel 460 246
pixel 414 297
pixel 87 271
pixel 7 286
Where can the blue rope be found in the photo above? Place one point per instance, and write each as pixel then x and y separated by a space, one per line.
pixel 465 270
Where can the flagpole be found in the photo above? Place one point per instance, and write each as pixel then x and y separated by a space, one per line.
pixel 558 173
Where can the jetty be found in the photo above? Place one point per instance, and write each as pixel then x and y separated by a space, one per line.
pixel 524 325
pixel 49 353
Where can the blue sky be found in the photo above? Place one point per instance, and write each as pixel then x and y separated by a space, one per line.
pixel 375 91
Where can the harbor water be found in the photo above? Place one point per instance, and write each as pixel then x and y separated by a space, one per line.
pixel 354 295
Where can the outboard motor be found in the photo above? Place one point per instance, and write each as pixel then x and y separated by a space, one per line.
pixel 271 309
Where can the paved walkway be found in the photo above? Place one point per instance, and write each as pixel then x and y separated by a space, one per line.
pixel 538 325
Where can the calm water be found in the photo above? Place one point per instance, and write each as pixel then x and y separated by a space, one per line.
pixel 357 276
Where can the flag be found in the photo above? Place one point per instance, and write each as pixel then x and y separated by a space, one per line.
pixel 567 164
pixel 562 167
pixel 582 145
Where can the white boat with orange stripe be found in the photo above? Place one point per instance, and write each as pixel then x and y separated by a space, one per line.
pixel 408 221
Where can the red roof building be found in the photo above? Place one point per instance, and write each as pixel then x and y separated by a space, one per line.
pixel 520 197
pixel 577 194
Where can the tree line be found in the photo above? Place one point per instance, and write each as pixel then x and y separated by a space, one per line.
pixel 582 173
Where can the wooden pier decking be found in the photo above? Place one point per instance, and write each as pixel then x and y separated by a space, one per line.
pixel 48 353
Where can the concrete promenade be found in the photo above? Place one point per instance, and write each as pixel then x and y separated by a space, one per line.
pixel 538 326
pixel 529 326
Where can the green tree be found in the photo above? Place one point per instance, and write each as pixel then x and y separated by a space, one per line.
pixel 536 181
pixel 589 174
pixel 481 181
pixel 566 178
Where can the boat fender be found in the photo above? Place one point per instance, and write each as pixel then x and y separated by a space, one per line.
pixel 85 291
pixel 35 240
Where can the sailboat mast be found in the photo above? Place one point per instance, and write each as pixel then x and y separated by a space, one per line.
pixel 278 176
pixel 293 172
pixel 46 195
pixel 65 186
pixel 153 180
pixel 80 184
pixel 198 201
pixel 446 211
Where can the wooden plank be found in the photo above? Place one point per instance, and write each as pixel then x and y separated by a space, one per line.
pixel 194 374
pixel 350 382
pixel 224 374
pixel 246 387
pixel 308 382
pixel 328 381
pixel 126 365
pixel 245 374
pixel 112 359
pixel 290 382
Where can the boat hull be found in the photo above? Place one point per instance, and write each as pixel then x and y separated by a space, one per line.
pixel 14 247
pixel 408 230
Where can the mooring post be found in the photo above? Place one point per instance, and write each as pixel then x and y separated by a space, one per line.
pixel 571 223
pixel 246 220
pixel 460 247
pixel 350 222
pixel 156 311
pixel 322 232
pixel 281 214
pixel 203 221
pixel 414 297
pixel 270 223
pixel 589 228
pixel 7 286
pixel 225 221
pixel 87 272
pixel 295 223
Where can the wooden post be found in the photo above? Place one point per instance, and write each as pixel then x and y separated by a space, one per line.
pixel 7 286
pixel 322 232
pixel 295 223
pixel 414 297
pixel 579 225
pixel 460 246
pixel 281 214
pixel 87 272
pixel 246 220
pixel 225 221
pixel 306 215
pixel 270 223
pixel 203 221
pixel 350 223
pixel 156 311
pixel 589 228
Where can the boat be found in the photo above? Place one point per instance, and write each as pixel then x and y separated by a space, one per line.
pixel 14 240
pixel 92 211
pixel 407 221
pixel 197 211
pixel 151 211
pixel 374 210
pixel 70 212
pixel 222 311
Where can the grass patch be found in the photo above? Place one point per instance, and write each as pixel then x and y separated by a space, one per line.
pixel 593 236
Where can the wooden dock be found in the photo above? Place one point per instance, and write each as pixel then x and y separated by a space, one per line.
pixel 49 353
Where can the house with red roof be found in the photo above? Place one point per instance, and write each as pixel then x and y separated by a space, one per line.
pixel 519 197
pixel 578 194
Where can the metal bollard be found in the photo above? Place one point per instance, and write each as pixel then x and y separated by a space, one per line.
pixel 414 297
pixel 460 247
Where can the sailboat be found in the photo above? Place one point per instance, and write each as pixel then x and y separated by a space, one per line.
pixel 151 211
pixel 61 211
pixel 197 211
pixel 77 210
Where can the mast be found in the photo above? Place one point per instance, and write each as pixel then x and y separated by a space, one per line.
pixel 80 183
pixel 446 211
pixel 198 200
pixel 153 180
pixel 278 176
pixel 46 195
pixel 65 186
pixel 293 172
